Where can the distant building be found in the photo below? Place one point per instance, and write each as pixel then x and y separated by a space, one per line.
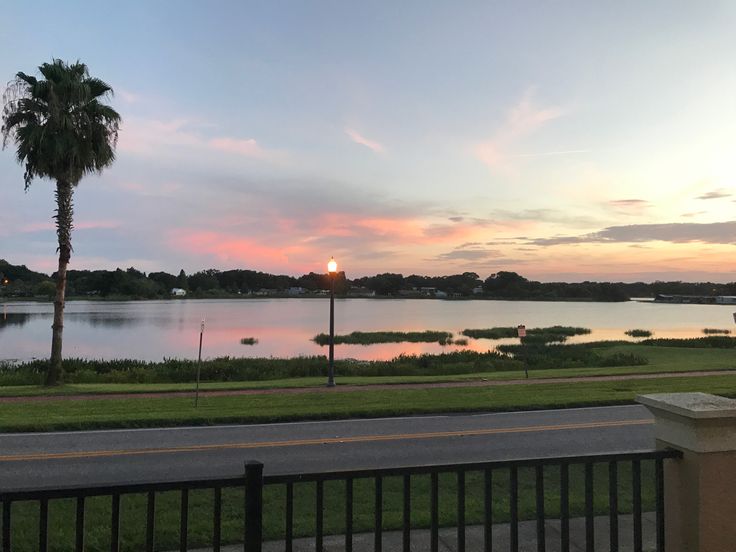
pixel 296 291
pixel 414 292
pixel 693 299
pixel 440 294
pixel 178 292
pixel 726 299
pixel 478 290
pixel 360 291
pixel 264 292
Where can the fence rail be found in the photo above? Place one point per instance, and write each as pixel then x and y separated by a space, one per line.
pixel 253 483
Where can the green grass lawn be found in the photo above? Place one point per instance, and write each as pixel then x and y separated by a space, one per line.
pixel 133 508
pixel 161 411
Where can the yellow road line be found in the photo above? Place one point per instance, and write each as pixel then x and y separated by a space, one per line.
pixel 319 441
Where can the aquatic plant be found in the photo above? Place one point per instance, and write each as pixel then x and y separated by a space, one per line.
pixel 369 338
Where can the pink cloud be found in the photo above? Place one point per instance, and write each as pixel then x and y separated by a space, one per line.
pixel 358 138
pixel 230 248
pixel 522 120
pixel 249 147
pixel 152 137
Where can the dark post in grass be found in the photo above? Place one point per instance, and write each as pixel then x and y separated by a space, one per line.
pixel 253 527
pixel 332 273
pixel 199 364
pixel 521 332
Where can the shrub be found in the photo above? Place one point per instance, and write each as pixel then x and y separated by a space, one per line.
pixel 533 335
pixel 369 338
pixel 710 342
pixel 539 356
pixel 638 333
pixel 253 369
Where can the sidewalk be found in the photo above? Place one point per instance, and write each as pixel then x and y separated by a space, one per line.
pixel 420 539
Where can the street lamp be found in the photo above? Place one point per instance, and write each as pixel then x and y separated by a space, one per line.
pixel 332 273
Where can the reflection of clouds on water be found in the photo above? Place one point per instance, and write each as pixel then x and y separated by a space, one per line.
pixel 94 319
pixel 151 330
pixel 18 318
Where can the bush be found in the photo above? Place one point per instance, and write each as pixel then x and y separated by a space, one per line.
pixel 710 331
pixel 710 342
pixel 369 338
pixel 253 369
pixel 539 356
pixel 533 335
pixel 638 333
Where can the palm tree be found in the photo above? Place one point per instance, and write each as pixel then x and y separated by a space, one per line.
pixel 62 131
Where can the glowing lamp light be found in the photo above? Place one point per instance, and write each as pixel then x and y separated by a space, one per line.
pixel 332 270
pixel 332 266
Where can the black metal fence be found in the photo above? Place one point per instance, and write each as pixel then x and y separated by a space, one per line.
pixel 536 471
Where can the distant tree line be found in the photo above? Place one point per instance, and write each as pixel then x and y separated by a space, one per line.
pixel 19 281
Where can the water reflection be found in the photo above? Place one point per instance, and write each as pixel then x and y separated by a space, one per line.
pixel 152 330
pixel 18 318
pixel 101 319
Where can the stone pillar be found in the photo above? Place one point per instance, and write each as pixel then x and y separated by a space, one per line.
pixel 700 489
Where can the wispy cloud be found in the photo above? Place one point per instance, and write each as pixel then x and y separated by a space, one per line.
pixel 45 226
pixel 249 147
pixel 526 217
pixel 126 95
pixel 628 207
pixel 677 232
pixel 715 194
pixel 522 120
pixel 358 138
pixel 693 214
pixel 152 137
pixel 468 254
pixel 551 153
pixel 637 203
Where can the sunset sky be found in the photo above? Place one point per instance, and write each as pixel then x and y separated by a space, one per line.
pixel 562 140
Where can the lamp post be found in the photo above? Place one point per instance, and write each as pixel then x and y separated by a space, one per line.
pixel 332 273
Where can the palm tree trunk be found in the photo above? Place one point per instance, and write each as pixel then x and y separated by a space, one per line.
pixel 64 216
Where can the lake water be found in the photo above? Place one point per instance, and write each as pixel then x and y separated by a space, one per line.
pixel 152 330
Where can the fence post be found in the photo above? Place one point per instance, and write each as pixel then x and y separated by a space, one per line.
pixel 253 536
pixel 700 489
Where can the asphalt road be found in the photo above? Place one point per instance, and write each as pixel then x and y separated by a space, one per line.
pixel 34 460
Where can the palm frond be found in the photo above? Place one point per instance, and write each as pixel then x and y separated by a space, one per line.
pixel 60 127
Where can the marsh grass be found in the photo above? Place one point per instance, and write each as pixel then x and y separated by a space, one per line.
pixel 533 335
pixel 370 338
pixel 225 369
pixel 540 356
pixel 711 331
